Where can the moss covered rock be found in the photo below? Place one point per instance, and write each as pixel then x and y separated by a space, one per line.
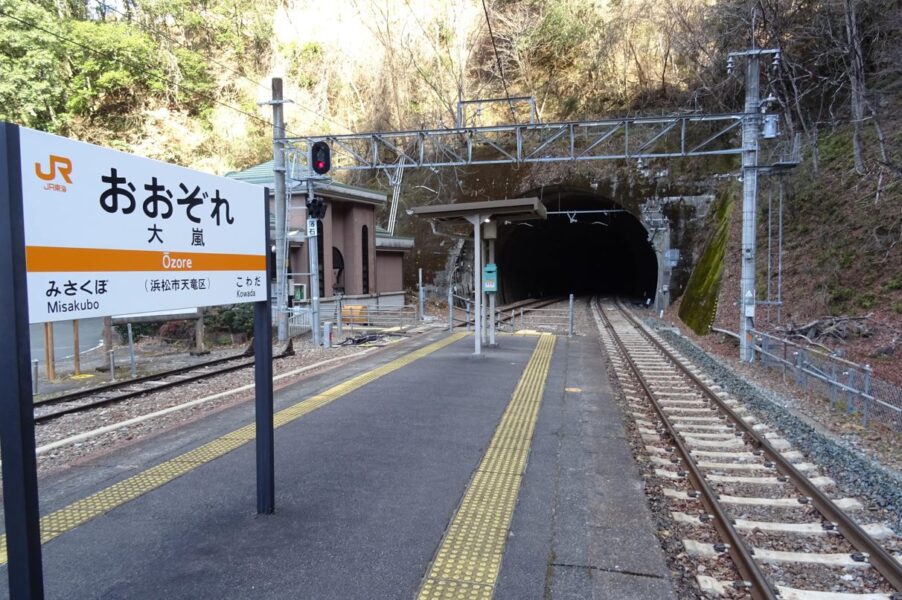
pixel 699 304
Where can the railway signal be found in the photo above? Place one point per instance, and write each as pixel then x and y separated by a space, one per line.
pixel 320 157
pixel 316 208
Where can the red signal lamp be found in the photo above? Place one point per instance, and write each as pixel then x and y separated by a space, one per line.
pixel 320 157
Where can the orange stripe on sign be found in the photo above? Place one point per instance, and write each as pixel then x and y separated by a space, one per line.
pixel 47 259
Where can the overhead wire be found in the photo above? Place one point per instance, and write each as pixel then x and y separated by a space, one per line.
pixel 498 62
pixel 215 62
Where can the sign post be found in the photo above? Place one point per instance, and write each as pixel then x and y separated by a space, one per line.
pixel 263 408
pixel 20 477
pixel 86 231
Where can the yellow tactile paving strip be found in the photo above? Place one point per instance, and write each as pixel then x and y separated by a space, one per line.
pixel 468 560
pixel 70 517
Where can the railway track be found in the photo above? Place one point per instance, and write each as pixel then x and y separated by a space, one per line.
pixel 54 408
pixel 740 489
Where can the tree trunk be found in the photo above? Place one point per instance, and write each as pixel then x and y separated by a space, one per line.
pixel 856 80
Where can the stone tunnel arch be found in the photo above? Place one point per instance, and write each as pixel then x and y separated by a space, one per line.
pixel 582 253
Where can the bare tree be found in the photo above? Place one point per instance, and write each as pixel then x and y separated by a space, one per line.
pixel 856 80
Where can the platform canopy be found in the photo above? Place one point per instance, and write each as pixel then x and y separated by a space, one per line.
pixel 515 209
pixel 478 213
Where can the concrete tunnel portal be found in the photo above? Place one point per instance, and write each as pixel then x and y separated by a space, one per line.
pixel 581 253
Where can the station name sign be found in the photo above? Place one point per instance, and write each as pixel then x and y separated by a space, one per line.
pixel 109 233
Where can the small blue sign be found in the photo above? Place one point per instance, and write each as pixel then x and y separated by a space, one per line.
pixel 490 279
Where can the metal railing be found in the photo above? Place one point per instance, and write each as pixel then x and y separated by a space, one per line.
pixel 559 320
pixel 848 386
pixel 343 316
pixel 381 317
pixel 299 320
pixel 459 304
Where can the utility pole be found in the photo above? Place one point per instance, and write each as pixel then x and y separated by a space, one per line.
pixel 278 152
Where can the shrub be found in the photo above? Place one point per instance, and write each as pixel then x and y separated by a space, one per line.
pixel 148 329
pixel 177 331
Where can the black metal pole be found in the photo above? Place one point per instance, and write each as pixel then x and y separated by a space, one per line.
pixel 20 475
pixel 263 387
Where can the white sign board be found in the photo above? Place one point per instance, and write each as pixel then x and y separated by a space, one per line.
pixel 109 233
pixel 311 228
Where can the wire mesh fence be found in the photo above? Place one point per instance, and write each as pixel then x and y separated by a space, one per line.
pixel 849 386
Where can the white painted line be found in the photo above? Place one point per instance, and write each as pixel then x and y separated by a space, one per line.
pixel 108 428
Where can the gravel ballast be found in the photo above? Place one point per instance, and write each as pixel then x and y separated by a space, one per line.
pixel 857 474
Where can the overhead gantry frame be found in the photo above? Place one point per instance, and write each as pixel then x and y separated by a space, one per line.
pixel 637 138
pixel 606 139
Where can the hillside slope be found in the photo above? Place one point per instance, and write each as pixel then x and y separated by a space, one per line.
pixel 182 81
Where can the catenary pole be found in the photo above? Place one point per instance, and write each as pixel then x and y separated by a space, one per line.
pixel 749 206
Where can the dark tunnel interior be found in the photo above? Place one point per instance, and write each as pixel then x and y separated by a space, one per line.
pixel 583 253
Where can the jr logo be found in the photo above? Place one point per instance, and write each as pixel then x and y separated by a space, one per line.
pixel 59 165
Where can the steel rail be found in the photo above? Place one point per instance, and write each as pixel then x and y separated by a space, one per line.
pixel 876 554
pixel 127 382
pixel 135 393
pixel 740 553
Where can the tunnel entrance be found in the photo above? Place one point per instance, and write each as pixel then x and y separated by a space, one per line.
pixel 580 253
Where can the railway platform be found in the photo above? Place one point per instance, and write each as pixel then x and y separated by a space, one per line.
pixel 420 471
